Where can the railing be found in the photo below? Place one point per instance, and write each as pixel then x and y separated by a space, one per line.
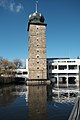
pixel 75 114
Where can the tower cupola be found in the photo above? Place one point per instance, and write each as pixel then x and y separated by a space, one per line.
pixel 36 18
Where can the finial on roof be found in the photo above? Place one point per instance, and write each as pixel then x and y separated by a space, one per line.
pixel 36 6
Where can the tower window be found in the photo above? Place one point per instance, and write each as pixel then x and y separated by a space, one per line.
pixel 37 67
pixel 37 50
pixel 37 62
pixel 38 56
pixel 37 76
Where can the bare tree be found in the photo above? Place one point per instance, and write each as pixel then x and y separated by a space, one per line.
pixel 18 63
pixel 6 67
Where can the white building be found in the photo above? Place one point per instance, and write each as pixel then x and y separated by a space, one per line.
pixel 22 72
pixel 63 71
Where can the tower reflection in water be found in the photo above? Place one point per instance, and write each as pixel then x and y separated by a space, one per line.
pixel 37 102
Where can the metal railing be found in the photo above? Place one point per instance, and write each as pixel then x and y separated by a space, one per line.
pixel 75 114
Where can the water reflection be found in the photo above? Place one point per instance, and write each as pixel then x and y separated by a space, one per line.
pixel 61 104
pixel 6 96
pixel 65 95
pixel 37 102
pixel 21 102
pixel 12 102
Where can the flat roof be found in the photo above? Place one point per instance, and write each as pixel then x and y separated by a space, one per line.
pixel 56 58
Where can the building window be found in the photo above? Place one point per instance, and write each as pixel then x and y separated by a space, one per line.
pixel 37 56
pixel 61 61
pixel 37 67
pixel 72 67
pixel 62 67
pixel 50 67
pixel 25 73
pixel 79 67
pixel 72 73
pixel 71 61
pixel 37 76
pixel 37 50
pixel 37 62
pixel 19 73
pixel 62 74
pixel 54 67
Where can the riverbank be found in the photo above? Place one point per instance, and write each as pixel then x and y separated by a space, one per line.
pixel 6 80
pixel 10 80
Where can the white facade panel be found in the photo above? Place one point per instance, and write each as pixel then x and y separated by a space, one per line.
pixel 66 70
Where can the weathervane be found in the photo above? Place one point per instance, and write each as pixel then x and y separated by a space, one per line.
pixel 36 6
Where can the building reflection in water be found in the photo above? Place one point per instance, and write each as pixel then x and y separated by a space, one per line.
pixel 65 95
pixel 9 93
pixel 37 99
pixel 6 96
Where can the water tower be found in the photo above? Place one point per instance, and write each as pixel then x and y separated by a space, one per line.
pixel 37 65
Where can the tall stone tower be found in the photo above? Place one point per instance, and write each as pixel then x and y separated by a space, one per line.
pixel 37 47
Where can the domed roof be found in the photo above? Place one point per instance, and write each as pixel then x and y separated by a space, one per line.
pixel 36 18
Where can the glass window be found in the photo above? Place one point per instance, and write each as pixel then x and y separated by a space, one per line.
pixel 72 67
pixel 50 67
pixel 24 72
pixel 62 67
pixel 54 67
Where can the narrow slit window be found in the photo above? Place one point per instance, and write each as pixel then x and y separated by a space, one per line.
pixel 37 50
pixel 37 67
pixel 37 76
pixel 38 56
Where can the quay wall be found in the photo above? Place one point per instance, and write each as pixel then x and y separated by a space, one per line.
pixel 6 80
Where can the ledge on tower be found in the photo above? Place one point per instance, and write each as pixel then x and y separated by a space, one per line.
pixel 38 82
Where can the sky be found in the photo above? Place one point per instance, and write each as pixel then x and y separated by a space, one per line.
pixel 62 31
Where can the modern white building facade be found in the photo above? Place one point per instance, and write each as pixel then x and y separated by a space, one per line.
pixel 63 71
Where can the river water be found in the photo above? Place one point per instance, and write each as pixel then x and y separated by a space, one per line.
pixel 21 102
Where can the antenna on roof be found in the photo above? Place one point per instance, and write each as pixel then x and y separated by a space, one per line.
pixel 36 6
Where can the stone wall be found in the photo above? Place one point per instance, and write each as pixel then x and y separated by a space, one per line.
pixel 37 52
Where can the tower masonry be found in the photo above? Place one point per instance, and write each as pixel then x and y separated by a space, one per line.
pixel 37 47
